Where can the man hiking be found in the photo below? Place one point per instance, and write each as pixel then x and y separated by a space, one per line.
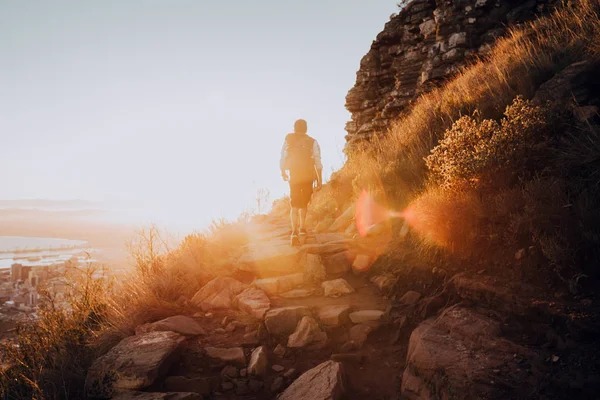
pixel 301 157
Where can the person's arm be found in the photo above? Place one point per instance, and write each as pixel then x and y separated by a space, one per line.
pixel 282 161
pixel 318 164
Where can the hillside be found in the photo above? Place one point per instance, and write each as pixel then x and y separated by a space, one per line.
pixel 454 256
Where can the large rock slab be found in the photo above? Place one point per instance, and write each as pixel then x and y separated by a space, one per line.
pixel 344 220
pixel 283 321
pixel 178 323
pixel 336 288
pixel 359 317
pixel 323 382
pixel 307 333
pixel 464 346
pixel 135 363
pixel 218 293
pixel 253 302
pixel 157 396
pixel 334 315
pixel 279 284
pixel 258 362
pixel 226 356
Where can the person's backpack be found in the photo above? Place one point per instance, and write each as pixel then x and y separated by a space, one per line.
pixel 299 159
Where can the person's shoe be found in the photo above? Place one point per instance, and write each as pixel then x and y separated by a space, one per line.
pixel 294 239
pixel 302 232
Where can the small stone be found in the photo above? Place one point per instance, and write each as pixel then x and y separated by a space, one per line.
pixel 359 334
pixel 277 385
pixel 280 350
pixel 234 355
pixel 555 358
pixel 290 373
pixel 231 327
pixel 209 315
pixel 227 386
pixel 410 298
pixel 334 315
pixel 307 332
pixel 337 287
pixel 219 330
pixel 520 254
pixel 229 372
pixel 362 262
pixel 277 368
pixel 224 321
pixel 250 339
pixel 365 316
pixel 243 372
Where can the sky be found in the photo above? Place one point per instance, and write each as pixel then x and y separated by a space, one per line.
pixel 174 111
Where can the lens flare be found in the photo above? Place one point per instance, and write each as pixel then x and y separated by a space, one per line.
pixel 370 215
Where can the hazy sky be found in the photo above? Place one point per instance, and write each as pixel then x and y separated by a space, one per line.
pixel 177 109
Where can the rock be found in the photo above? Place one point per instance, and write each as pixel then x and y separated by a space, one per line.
pixel 324 225
pixel 277 385
pixel 202 386
pixel 219 331
pixel 431 306
pixel 283 321
pixel 307 332
pixel 280 284
pixel 339 263
pixel 337 288
pixel 231 326
pixel 314 269
pixel 258 362
pixel 362 263
pixel 233 356
pixel 243 372
pixel 227 386
pixel 324 249
pixel 334 315
pixel 279 350
pixel 290 373
pixel 135 363
pixel 298 293
pixel 410 298
pixel 255 385
pixel 358 334
pixel 241 387
pixel 520 254
pixel 366 315
pixel 229 372
pixel 465 347
pixel 383 282
pixel 324 382
pixel 250 339
pixel 253 302
pixel 278 368
pixel 344 220
pixel 225 319
pixel 178 324
pixel 207 315
pixel 217 293
pixel 157 396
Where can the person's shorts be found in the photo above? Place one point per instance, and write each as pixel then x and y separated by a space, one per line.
pixel 300 194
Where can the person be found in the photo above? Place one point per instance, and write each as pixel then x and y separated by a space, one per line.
pixel 301 157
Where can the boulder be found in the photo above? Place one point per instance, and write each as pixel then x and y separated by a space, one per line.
pixel 201 385
pixel 157 396
pixel 307 332
pixel 344 220
pixel 253 302
pixel 218 293
pixel 334 315
pixel 280 284
pixel 258 362
pixel 466 348
pixel 359 334
pixel 135 363
pixel 230 356
pixel 365 316
pixel 410 298
pixel 383 282
pixel 280 350
pixel 340 263
pixel 283 321
pixel 179 324
pixel 314 270
pixel 361 263
pixel 337 288
pixel 323 382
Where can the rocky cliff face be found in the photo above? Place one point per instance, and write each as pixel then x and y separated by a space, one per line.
pixel 424 45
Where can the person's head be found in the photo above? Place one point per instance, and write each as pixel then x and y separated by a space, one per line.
pixel 300 127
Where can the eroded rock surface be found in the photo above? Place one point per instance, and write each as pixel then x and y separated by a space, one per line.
pixel 323 382
pixel 218 293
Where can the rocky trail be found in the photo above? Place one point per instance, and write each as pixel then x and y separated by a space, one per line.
pixel 313 323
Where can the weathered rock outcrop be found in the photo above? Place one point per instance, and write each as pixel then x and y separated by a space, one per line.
pixel 426 43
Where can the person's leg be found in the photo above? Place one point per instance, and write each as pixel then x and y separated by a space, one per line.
pixel 302 218
pixel 307 189
pixel 294 220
